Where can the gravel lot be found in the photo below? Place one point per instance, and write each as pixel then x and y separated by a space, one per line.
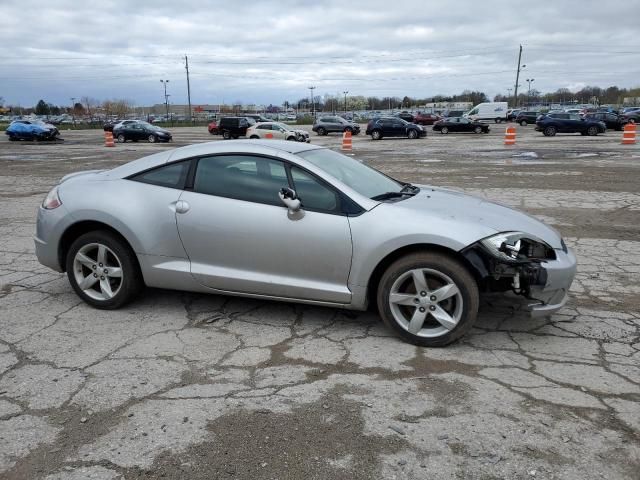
pixel 190 386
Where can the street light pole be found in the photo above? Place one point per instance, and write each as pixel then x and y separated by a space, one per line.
pixel 529 81
pixel 345 101
pixel 73 107
pixel 313 102
pixel 166 98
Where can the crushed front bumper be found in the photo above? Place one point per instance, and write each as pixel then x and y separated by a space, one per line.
pixel 554 293
pixel 544 283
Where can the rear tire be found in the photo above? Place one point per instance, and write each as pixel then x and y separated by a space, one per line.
pixel 523 123
pixel 477 130
pixel 122 138
pixel 435 313
pixel 592 131
pixel 412 134
pixel 226 135
pixel 254 137
pixel 444 130
pixel 321 131
pixel 84 255
pixel 376 135
pixel 550 132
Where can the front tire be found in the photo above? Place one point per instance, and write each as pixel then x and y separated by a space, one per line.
pixel 226 135
pixel 103 270
pixel 151 138
pixel 428 298
pixel 412 134
pixel 592 131
pixel 122 138
pixel 478 130
pixel 444 130
pixel 376 135
pixel 321 131
pixel 523 123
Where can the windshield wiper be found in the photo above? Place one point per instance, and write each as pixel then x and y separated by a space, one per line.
pixel 409 188
pixel 388 195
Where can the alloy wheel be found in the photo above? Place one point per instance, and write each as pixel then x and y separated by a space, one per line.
pixel 426 303
pixel 98 271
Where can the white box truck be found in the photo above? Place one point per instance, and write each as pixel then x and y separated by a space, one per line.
pixel 489 111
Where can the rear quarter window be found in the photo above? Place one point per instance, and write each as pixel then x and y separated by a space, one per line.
pixel 170 176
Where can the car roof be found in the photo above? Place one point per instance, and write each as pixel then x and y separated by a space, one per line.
pixel 276 148
pixel 257 146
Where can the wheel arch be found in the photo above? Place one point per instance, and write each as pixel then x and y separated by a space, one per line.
pixel 80 228
pixel 384 263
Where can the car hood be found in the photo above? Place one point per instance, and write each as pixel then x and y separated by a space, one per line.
pixel 475 211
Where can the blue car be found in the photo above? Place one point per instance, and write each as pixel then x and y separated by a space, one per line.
pixel 31 130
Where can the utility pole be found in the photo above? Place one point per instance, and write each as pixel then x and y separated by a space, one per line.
pixel 515 95
pixel 345 101
pixel 186 66
pixel 313 102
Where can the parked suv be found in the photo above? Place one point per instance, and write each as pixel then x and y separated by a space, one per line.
pixel 328 124
pixel 233 127
pixel 611 120
pixel 553 123
pixel 525 118
pixel 382 127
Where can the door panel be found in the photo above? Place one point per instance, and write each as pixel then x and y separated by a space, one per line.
pixel 258 247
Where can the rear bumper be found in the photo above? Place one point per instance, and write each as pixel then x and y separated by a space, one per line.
pixel 50 226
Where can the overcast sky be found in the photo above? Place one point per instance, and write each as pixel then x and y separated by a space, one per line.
pixel 272 50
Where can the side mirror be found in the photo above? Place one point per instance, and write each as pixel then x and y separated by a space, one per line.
pixel 290 199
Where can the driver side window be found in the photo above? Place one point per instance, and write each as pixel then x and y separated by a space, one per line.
pixel 241 177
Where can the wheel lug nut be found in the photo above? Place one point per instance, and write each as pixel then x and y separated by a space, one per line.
pixel 95 275
pixel 106 271
pixel 432 308
pixel 422 309
pixel 416 300
pixel 101 278
pixel 424 294
pixel 94 267
pixel 100 264
pixel 433 298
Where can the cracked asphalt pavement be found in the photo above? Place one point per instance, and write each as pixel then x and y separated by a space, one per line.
pixel 180 385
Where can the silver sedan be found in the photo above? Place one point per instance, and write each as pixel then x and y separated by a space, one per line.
pixel 296 222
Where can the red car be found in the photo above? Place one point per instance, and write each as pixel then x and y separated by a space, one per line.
pixel 213 128
pixel 426 118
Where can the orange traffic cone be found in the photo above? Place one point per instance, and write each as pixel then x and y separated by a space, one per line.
pixel 629 134
pixel 108 139
pixel 510 135
pixel 346 141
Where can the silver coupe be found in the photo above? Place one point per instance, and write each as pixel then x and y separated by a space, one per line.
pixel 296 222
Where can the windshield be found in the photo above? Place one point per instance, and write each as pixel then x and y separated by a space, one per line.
pixel 284 126
pixel 361 178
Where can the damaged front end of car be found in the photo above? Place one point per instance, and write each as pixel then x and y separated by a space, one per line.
pixel 527 266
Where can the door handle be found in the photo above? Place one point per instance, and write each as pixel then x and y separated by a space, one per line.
pixel 182 206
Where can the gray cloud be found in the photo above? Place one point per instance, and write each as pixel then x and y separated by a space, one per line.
pixel 270 51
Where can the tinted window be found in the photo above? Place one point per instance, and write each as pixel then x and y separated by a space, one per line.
pixel 264 127
pixel 313 194
pixel 325 119
pixel 171 176
pixel 243 177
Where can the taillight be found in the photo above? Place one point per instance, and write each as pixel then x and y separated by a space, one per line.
pixel 52 200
